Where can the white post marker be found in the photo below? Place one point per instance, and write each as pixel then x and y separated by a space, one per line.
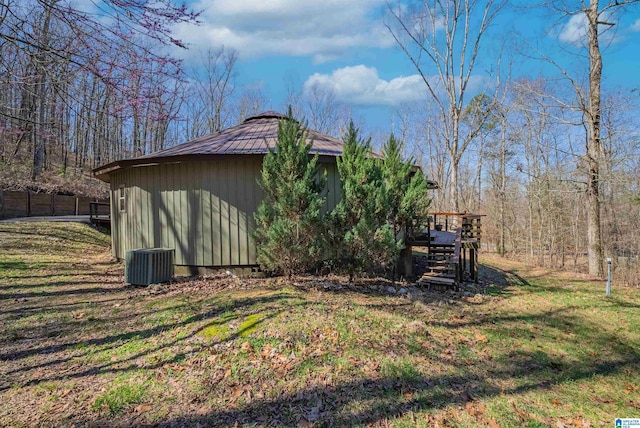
pixel 608 276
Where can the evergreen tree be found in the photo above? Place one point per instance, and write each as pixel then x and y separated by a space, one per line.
pixel 363 238
pixel 406 190
pixel 288 221
pixel 407 196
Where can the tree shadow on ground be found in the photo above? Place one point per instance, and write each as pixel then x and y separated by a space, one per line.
pixel 500 278
pixel 89 289
pixel 270 306
pixel 370 400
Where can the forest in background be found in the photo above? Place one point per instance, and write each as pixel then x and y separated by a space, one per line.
pixel 80 89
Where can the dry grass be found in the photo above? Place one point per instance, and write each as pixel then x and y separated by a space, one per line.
pixel 532 348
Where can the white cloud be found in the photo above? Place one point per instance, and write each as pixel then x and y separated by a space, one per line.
pixel 636 25
pixel 322 29
pixel 361 85
pixel 575 31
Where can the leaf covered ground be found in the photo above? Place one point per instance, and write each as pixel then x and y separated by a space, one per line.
pixel 78 347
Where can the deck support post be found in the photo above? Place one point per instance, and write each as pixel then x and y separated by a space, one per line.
pixel 406 262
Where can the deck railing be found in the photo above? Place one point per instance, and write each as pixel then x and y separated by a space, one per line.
pixel 98 216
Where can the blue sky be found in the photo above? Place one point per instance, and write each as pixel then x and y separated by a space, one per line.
pixel 344 46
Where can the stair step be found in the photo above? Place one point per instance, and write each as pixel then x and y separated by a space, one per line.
pixel 437 280
pixel 438 274
pixel 444 269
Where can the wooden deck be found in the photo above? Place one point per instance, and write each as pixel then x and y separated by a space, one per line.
pixel 452 241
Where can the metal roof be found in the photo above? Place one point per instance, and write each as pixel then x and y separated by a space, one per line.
pixel 255 136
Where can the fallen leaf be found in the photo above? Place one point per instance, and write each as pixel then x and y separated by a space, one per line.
pixel 203 410
pixel 481 338
pixel 143 408
pixel 493 423
pixel 469 408
pixel 237 393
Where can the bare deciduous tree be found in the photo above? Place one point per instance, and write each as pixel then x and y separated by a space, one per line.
pixel 596 19
pixel 442 39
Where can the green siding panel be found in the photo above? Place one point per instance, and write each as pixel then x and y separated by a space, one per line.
pixel 206 211
pixel 203 209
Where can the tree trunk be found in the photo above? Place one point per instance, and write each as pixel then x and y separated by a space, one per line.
pixel 503 186
pixel 453 182
pixel 41 91
pixel 455 159
pixel 594 234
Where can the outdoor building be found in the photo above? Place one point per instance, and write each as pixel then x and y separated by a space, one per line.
pixel 199 197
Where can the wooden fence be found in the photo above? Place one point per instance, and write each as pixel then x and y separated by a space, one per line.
pixel 29 204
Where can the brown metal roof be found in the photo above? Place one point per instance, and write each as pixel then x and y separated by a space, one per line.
pixel 253 136
pixel 256 135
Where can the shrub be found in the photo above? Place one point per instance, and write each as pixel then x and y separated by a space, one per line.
pixel 363 239
pixel 288 221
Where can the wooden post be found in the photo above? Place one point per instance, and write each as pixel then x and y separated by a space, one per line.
pixel 28 203
pixel 406 262
pixel 77 202
pixel 472 264
pixel 463 262
pixel 1 203
pixel 53 204
pixel 476 275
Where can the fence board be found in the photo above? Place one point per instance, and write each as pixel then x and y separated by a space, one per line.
pixel 15 204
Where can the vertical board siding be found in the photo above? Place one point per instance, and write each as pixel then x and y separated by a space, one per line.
pixel 145 210
pixel 216 216
pixel 234 225
pixel 115 229
pixel 207 236
pixel 197 214
pixel 181 214
pixel 202 209
pixel 243 242
pixel 332 191
pixel 222 189
pixel 254 201
pixel 172 230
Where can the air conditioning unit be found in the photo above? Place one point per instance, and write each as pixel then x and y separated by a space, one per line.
pixel 149 266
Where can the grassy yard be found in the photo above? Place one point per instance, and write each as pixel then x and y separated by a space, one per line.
pixel 533 348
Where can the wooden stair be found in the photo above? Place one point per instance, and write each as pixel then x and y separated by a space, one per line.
pixel 452 249
pixel 443 264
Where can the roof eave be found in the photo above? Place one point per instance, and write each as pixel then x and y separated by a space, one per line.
pixel 103 172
